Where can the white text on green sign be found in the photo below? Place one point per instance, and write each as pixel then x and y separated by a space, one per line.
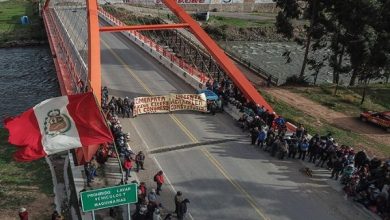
pixel 109 197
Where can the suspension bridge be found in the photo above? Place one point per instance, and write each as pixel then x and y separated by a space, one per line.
pixel 159 49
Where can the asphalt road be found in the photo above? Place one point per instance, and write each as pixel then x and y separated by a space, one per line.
pixel 231 180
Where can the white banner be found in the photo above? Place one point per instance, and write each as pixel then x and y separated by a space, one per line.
pixel 167 103
pixel 152 104
pixel 195 102
pixel 216 1
pixel 187 1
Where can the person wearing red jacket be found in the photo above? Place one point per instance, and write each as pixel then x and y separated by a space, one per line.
pixel 159 179
pixel 142 191
pixel 23 214
pixel 127 165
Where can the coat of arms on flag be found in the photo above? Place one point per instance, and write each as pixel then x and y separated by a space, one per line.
pixel 56 123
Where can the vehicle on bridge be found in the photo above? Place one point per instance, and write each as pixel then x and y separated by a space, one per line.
pixel 381 119
pixel 210 95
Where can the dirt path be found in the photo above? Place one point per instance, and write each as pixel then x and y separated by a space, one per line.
pixel 335 118
pixel 316 110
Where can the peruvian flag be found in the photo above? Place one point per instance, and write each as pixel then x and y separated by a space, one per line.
pixel 56 125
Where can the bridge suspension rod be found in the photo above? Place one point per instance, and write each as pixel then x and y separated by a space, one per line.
pixel 219 55
pixel 143 27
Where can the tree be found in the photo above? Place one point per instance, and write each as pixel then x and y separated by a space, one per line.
pixel 316 65
pixel 291 10
pixel 357 32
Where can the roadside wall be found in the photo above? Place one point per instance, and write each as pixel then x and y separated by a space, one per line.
pixel 196 81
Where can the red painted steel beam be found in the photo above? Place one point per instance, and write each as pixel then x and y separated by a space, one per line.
pixel 46 6
pixel 143 27
pixel 219 55
pixel 94 69
pixel 85 153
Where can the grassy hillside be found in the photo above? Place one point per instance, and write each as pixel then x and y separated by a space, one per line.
pixel 322 127
pixel 10 27
pixel 348 100
pixel 23 184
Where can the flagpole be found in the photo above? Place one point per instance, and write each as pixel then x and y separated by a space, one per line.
pixel 113 142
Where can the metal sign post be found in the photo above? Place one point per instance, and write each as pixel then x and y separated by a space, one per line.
pixel 93 214
pixel 128 211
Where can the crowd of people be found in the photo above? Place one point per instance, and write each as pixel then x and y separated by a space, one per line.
pixel 366 180
pixel 117 106
pixel 148 207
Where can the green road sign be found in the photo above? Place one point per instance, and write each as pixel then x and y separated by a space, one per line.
pixel 109 197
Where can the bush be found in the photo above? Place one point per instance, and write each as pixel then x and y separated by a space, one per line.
pixel 295 80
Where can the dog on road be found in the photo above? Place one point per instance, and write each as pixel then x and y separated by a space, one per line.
pixel 307 171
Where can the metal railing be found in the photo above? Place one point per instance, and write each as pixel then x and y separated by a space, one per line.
pixel 251 66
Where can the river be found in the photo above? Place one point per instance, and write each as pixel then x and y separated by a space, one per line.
pixel 27 77
pixel 268 56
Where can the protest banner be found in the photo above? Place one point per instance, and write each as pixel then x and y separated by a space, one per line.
pixel 168 103
pixel 152 104
pixel 195 102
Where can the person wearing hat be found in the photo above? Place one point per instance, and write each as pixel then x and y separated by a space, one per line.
pixel 23 214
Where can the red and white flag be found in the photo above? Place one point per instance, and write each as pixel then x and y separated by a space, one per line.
pixel 56 125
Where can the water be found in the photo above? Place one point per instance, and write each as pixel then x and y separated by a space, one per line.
pixel 27 77
pixel 268 56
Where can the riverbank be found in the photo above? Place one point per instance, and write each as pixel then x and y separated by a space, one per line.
pixel 23 184
pixel 27 78
pixel 12 32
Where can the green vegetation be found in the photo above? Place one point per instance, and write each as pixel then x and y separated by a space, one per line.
pixel 10 27
pixel 346 29
pixel 348 100
pixel 315 125
pixel 20 182
pixel 237 22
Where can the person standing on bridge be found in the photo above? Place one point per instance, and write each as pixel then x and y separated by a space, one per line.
pixel 119 103
pixel 159 179
pixel 104 95
pixel 132 107
pixel 112 105
pixel 178 200
pixel 182 212
pixel 127 165
pixel 139 160
pixel 261 138
pixel 126 107
pixel 254 135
